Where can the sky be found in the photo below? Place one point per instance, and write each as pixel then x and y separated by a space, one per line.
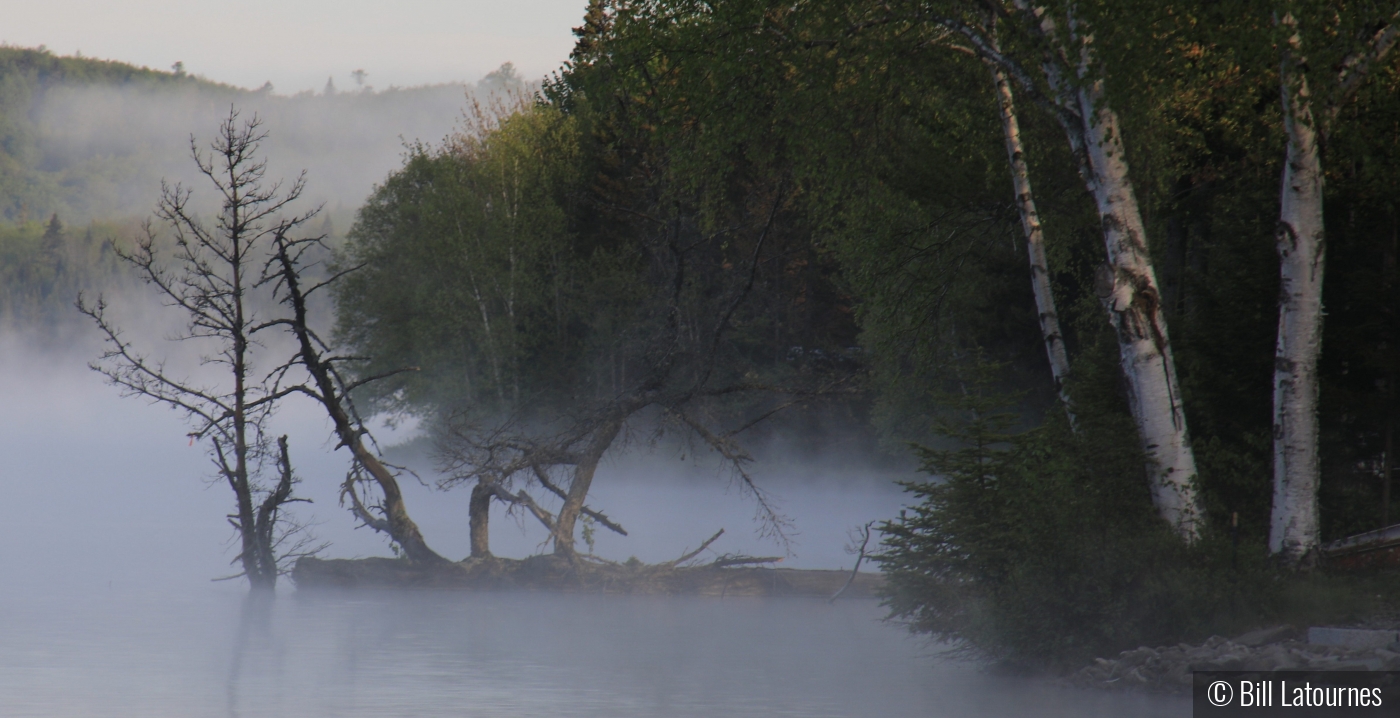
pixel 297 44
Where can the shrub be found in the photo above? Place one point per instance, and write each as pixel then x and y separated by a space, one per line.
pixel 1043 548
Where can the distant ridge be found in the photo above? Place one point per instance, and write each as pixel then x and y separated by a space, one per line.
pixel 91 139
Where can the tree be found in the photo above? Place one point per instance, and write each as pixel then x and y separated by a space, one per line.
pixel 469 269
pixel 1077 95
pixel 563 284
pixel 285 272
pixel 680 361
pixel 1295 526
pixel 215 270
pixel 715 51
pixel 1035 239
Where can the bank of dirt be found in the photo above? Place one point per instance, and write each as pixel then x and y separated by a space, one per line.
pixel 552 573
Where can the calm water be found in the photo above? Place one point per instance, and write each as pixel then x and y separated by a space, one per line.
pixel 113 531
pixel 210 653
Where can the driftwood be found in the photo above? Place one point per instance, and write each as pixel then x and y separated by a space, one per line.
pixel 554 573
pixel 860 556
pixel 726 575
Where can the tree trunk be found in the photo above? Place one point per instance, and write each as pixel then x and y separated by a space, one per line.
pixel 578 489
pixel 1293 531
pixel 265 524
pixel 399 525
pixel 1131 296
pixel 1127 284
pixel 1035 241
pixel 479 518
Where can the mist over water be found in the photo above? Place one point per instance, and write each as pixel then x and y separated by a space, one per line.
pixel 210 653
pixel 115 493
pixel 116 527
pixel 114 534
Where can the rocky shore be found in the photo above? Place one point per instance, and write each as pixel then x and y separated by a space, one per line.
pixel 1281 648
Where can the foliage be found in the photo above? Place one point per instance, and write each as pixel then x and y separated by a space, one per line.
pixel 472 271
pixel 44 266
pixel 1041 547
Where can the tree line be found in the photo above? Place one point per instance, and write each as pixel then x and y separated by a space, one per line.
pixel 1074 251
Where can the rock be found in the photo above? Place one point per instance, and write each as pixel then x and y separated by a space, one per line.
pixel 1353 638
pixel 1137 657
pixel 1266 635
pixel 1370 664
pixel 1273 649
pixel 1223 663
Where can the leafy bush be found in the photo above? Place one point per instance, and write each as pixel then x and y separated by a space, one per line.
pixel 1043 547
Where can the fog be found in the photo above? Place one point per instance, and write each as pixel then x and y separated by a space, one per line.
pixel 108 148
pixel 296 45
pixel 367 654
pixel 117 530
pixel 122 498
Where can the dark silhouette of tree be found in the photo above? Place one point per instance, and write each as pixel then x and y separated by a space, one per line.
pixel 209 274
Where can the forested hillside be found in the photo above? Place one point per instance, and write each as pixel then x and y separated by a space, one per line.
pixel 90 141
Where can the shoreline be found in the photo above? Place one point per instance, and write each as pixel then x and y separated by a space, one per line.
pixel 552 573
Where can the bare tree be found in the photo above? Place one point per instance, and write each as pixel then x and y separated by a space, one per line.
pixel 679 385
pixel 209 276
pixel 286 272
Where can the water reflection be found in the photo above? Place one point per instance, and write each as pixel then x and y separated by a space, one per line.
pixel 255 628
pixel 218 653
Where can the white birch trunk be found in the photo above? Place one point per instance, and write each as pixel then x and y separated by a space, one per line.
pixel 1129 285
pixel 1293 529
pixel 1132 299
pixel 1035 240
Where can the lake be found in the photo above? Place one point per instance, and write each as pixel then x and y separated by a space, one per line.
pixel 211 652
pixel 113 533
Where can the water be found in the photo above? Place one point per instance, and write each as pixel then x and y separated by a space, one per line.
pixel 311 654
pixel 111 538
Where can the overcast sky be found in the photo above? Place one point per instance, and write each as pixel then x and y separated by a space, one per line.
pixel 297 44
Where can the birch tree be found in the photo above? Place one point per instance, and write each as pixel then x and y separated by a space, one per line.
pixel 1127 285
pixel 1035 238
pixel 1301 244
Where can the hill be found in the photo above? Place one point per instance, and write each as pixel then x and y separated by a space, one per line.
pixel 92 139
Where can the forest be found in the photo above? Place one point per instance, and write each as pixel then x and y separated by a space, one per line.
pixel 1070 257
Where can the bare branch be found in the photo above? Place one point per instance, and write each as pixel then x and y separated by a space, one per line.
pixel 860 556
pixel 692 554
pixel 543 478
pixel 1356 66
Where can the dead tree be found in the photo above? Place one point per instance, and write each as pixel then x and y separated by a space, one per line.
pixel 286 272
pixel 209 275
pixel 508 461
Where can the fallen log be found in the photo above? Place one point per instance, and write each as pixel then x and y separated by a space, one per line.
pixel 554 573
